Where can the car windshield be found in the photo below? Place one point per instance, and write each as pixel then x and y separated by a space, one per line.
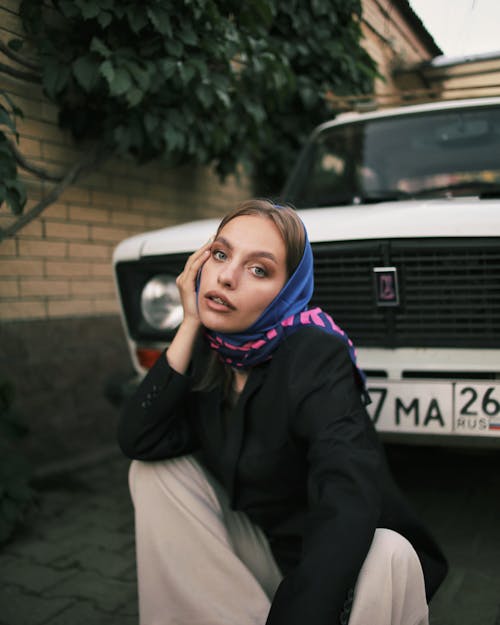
pixel 439 154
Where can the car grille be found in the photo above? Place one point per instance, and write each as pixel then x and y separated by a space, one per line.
pixel 449 291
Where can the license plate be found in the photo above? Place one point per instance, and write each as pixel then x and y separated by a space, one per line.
pixel 427 407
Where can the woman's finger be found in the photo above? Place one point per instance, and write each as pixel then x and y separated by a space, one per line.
pixel 197 258
pixel 199 253
pixel 186 281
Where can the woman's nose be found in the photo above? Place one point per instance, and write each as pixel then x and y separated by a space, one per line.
pixel 227 276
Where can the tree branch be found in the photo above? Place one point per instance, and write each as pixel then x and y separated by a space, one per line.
pixel 89 161
pixel 16 73
pixel 14 56
pixel 39 172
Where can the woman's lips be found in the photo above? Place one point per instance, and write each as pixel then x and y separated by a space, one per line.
pixel 217 302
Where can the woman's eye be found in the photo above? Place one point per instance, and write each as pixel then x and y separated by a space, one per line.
pixel 219 255
pixel 259 272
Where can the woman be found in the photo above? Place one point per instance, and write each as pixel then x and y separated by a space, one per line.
pixel 288 514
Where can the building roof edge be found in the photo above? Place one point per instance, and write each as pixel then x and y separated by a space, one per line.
pixel 415 21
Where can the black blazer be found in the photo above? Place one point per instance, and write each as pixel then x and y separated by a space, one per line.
pixel 300 456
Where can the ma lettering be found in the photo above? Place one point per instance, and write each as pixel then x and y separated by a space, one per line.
pixel 433 412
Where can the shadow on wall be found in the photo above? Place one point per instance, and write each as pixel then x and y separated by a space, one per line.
pixel 60 369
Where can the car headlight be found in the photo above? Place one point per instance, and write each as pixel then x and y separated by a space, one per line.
pixel 161 303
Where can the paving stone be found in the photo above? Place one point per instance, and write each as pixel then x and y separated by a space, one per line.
pixel 497 621
pixel 131 609
pixel 116 470
pixel 128 527
pixel 58 529
pixel 31 576
pixel 99 560
pixel 6 560
pixel 105 593
pixel 42 551
pixel 108 514
pixel 122 512
pixel 21 608
pixel 130 575
pixel 96 518
pixel 52 504
pixel 489 547
pixel 84 613
pixel 445 597
pixel 100 537
pixel 477 600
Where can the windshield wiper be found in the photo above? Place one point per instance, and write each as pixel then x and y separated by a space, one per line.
pixel 492 193
pixel 481 189
pixel 325 201
pixel 384 195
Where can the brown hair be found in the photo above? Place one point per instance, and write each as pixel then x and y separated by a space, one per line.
pixel 284 218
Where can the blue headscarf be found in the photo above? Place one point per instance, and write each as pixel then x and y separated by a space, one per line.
pixel 286 314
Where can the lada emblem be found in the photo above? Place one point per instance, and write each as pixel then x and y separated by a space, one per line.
pixel 386 286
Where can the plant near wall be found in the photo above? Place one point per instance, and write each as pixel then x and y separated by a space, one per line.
pixel 207 82
pixel 16 494
pixel 12 189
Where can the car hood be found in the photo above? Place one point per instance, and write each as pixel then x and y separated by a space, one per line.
pixel 454 217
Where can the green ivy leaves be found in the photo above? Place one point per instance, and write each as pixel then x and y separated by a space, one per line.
pixel 200 81
pixel 86 72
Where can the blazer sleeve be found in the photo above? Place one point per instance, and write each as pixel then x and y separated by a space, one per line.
pixel 156 421
pixel 343 488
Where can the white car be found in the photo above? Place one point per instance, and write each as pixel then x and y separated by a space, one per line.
pixel 402 208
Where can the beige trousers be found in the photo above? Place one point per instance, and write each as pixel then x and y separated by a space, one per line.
pixel 201 563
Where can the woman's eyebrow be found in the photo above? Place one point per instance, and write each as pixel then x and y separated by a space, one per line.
pixel 224 241
pixel 253 254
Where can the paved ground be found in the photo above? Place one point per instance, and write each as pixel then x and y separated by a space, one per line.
pixel 75 564
pixel 457 493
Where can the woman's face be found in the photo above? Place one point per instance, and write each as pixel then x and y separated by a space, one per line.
pixel 244 273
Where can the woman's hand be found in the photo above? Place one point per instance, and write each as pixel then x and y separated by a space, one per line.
pixel 186 281
pixel 180 350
